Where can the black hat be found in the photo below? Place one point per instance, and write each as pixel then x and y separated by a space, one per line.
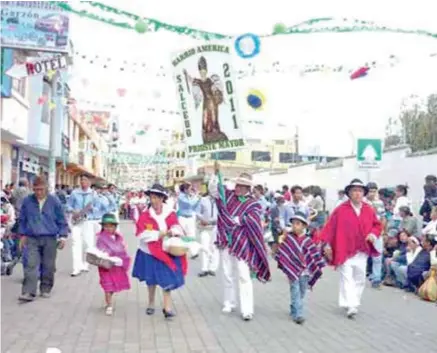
pixel 300 216
pixel 157 189
pixel 109 218
pixel 372 186
pixel 356 183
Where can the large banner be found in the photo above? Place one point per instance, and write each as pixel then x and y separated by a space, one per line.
pixel 208 99
pixel 34 25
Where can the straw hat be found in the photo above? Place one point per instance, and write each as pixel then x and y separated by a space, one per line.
pixel 244 179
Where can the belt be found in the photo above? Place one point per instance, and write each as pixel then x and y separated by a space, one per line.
pixel 185 216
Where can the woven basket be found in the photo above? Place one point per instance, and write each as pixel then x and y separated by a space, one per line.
pixel 177 250
pixel 97 261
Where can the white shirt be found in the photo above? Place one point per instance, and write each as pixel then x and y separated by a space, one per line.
pixel 207 210
pixel 401 202
pixel 431 228
pixel 142 200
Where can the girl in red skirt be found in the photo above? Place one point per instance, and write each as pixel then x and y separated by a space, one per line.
pixel 111 242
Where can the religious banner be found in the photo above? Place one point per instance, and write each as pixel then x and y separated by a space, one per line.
pixel 208 99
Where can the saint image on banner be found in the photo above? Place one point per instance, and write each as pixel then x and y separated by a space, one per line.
pixel 210 90
pixel 207 97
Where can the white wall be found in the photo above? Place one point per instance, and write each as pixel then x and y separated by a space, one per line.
pixel 399 166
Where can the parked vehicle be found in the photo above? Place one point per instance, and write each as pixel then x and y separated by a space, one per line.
pixel 57 24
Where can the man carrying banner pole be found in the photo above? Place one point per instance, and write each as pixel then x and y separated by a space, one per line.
pixel 240 239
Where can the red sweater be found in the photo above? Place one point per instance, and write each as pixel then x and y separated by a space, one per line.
pixel 346 232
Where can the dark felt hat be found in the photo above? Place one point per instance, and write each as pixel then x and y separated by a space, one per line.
pixel 157 189
pixel 356 183
pixel 300 216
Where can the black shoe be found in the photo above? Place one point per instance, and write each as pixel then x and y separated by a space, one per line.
pixel 9 270
pixel 25 297
pixel 168 314
pixel 203 274
pixel 211 273
pixel 150 311
pixel 299 320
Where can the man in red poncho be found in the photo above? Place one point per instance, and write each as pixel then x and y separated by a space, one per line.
pixel 349 237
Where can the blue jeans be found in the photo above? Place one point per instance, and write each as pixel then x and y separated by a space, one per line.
pixel 376 276
pixel 298 289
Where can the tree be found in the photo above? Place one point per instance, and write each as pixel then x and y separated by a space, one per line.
pixel 418 125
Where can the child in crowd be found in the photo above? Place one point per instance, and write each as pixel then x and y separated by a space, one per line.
pixel 111 242
pixel 300 259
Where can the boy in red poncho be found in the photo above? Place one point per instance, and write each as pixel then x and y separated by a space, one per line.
pixel 349 237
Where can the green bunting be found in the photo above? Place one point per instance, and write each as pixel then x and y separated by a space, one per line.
pixel 131 21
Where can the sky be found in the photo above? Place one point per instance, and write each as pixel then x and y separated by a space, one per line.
pixel 329 110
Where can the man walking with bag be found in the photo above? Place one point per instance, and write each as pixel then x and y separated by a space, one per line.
pixel 84 206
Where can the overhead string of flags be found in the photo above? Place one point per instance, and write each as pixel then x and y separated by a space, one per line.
pixel 249 69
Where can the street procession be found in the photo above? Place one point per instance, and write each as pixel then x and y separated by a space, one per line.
pixel 174 182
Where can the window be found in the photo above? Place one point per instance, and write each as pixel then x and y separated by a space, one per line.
pixel 280 142
pixel 226 156
pixel 261 156
pixel 46 92
pixel 183 154
pixel 178 155
pixel 177 174
pixel 287 157
pixel 19 85
pixel 254 141
pixel 182 173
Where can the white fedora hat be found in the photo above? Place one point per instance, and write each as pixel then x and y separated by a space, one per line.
pixel 244 180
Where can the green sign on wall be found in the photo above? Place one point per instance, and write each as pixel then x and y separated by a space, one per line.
pixel 369 153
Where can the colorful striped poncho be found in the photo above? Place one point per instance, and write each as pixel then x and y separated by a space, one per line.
pixel 295 256
pixel 247 241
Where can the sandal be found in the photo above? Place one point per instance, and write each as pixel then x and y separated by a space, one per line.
pixel 109 310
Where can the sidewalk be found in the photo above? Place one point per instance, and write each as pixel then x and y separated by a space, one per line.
pixel 73 319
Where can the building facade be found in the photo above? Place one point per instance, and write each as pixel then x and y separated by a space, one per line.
pixel 25 129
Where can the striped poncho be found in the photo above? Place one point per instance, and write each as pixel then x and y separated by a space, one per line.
pixel 294 256
pixel 242 219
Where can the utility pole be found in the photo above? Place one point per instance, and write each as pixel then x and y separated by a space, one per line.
pixel 56 92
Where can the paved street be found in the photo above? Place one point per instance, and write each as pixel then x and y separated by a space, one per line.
pixel 73 319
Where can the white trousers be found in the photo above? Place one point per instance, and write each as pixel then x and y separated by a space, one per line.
pixel 188 224
pixel 210 255
pixel 352 281
pixel 83 236
pixel 237 273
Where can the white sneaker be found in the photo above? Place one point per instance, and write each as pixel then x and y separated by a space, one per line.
pixel 247 317
pixel 75 273
pixel 109 311
pixel 228 308
pixel 351 313
pixel 85 269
